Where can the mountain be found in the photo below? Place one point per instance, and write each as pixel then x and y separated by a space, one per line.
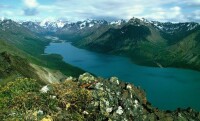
pixel 174 32
pixel 34 27
pixel 69 30
pixel 44 27
pixel 80 29
pixel 52 26
pixel 86 98
pixel 118 22
pixel 145 42
pixel 149 43
pixel 22 53
pixel 36 86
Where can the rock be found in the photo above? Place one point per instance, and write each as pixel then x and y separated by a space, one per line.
pixel 99 86
pixel 119 110
pixel 129 87
pixel 90 98
pixel 86 80
pixel 85 112
pixel 69 78
pixel 109 110
pixel 44 89
pixel 114 80
pixel 40 112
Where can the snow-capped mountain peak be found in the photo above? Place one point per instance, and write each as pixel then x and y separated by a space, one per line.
pixel 46 23
pixel 2 18
pixel 171 28
pixel 118 22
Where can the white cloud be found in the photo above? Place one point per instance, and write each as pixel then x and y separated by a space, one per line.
pixel 118 9
pixel 196 15
pixel 7 13
pixel 74 10
pixel 31 3
pixel 173 14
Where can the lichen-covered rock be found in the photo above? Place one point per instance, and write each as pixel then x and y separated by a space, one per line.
pixel 84 99
pixel 86 80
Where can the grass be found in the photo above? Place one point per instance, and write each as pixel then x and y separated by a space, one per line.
pixel 22 100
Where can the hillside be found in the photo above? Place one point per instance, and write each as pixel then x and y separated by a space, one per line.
pixel 19 43
pixel 149 43
pixel 86 98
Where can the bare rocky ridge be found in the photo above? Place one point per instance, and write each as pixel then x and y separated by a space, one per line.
pixel 84 99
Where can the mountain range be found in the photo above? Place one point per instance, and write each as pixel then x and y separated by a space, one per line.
pixel 39 86
pixel 150 43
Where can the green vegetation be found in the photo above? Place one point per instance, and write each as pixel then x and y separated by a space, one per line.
pixel 23 99
pixel 174 45
pixel 24 47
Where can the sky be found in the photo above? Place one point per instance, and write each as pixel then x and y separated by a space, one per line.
pixel 76 10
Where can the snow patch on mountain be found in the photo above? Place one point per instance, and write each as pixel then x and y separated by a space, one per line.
pixel 169 27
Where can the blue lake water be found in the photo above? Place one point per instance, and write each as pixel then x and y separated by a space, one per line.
pixel 166 88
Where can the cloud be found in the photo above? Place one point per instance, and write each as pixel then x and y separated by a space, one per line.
pixel 195 15
pixel 173 14
pixel 31 7
pixel 30 11
pixel 7 13
pixel 31 3
pixel 75 10
pixel 4 6
pixel 115 9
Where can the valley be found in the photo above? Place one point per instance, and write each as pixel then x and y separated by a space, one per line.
pixel 145 42
pixel 161 58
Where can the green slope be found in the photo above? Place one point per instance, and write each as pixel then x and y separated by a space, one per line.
pixel 20 42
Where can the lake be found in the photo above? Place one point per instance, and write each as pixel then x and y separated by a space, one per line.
pixel 166 88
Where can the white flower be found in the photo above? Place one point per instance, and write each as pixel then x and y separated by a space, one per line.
pixel 44 89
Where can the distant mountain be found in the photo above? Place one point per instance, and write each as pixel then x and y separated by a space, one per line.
pixel 80 29
pixel 45 26
pixel 34 27
pixel 145 42
pixel 52 26
pixel 118 22
pixel 176 31
pixel 69 30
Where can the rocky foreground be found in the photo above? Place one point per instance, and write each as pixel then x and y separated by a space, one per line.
pixel 84 99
